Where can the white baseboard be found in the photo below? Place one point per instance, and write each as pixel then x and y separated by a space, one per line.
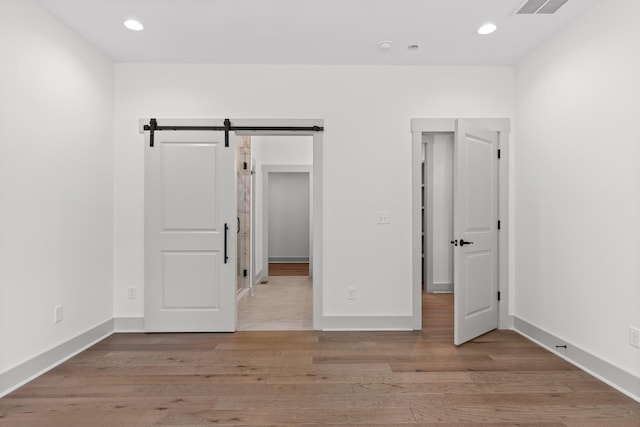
pixel 258 277
pixel 367 323
pixel 32 368
pixel 441 287
pixel 618 378
pixel 129 324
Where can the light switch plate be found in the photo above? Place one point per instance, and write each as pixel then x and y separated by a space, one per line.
pixel 57 314
pixel 634 337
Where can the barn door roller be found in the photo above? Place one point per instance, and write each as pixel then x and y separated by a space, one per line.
pixel 154 127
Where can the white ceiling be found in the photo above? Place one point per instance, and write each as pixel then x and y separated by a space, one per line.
pixel 312 31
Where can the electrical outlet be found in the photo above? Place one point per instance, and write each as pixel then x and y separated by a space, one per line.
pixel 634 337
pixel 57 314
pixel 132 293
pixel 351 293
pixel 383 217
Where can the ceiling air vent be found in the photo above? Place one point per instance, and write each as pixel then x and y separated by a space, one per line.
pixel 540 7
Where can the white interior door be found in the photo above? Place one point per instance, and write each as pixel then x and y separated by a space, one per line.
pixel 475 228
pixel 190 233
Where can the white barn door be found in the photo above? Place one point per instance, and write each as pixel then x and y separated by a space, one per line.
pixel 190 233
pixel 475 231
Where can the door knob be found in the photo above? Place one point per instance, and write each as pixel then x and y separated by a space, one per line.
pixel 462 242
pixel 454 242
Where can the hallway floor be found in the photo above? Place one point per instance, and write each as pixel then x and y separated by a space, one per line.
pixel 284 303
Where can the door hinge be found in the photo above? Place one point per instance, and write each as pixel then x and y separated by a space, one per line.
pixel 499 153
pixel 498 295
pixel 499 225
pixel 244 165
pixel 245 273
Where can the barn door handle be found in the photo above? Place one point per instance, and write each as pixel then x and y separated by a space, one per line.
pixel 462 242
pixel 226 230
pixel 238 232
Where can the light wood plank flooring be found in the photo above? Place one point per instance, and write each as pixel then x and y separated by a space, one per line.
pixel 319 378
pixel 282 303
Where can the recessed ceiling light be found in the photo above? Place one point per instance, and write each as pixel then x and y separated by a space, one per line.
pixel 133 25
pixel 385 45
pixel 487 29
pixel 413 47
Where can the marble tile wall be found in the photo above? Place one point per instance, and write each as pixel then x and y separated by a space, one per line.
pixel 244 210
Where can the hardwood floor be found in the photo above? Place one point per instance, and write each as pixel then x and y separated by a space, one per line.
pixel 319 378
pixel 288 269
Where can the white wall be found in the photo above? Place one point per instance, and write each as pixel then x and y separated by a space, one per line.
pixel 289 224
pixel 286 150
pixel 56 187
pixel 367 155
pixel 577 157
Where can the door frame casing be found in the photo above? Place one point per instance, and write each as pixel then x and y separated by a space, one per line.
pixel 420 126
pixel 317 180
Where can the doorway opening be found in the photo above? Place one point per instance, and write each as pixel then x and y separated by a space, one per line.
pixel 460 222
pixel 192 249
pixel 280 294
pixel 437 210
pixel 289 223
pixel 437 234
